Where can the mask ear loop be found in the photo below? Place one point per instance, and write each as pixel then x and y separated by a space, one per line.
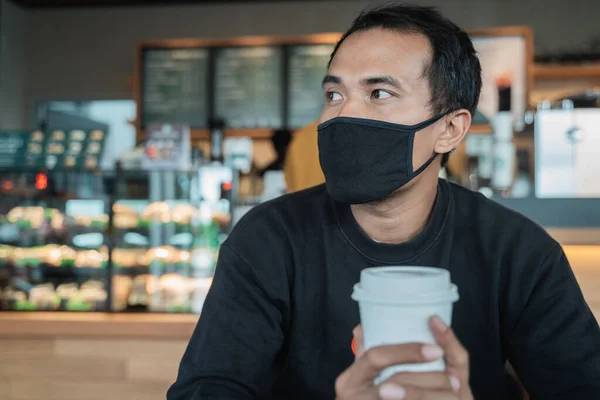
pixel 424 166
pixel 418 127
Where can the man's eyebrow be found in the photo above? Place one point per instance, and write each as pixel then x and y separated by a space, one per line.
pixel 331 79
pixel 370 81
pixel 383 79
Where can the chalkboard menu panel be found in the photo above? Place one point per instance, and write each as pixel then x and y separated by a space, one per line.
pixel 307 67
pixel 248 86
pixel 175 87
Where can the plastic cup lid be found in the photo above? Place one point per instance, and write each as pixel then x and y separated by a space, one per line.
pixel 405 285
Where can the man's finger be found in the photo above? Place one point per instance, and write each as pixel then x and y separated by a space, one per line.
pixel 345 389
pixel 373 361
pixel 359 344
pixel 391 391
pixel 426 380
pixel 456 355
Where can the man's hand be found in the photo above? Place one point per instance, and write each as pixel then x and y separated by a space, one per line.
pixel 356 383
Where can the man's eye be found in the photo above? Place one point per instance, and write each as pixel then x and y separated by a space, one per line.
pixel 380 94
pixel 333 96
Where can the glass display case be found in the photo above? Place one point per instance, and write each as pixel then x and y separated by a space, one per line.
pixel 119 241
pixel 54 244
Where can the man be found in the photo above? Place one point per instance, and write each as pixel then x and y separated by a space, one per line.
pixel 400 91
pixel 301 165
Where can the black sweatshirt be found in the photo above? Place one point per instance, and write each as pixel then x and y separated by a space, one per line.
pixel 278 320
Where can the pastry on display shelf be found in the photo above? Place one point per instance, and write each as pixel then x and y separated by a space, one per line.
pixel 57 256
pixel 166 255
pixel 92 258
pixel 170 292
pixel 91 297
pixel 162 212
pixel 127 258
pixel 32 256
pixel 125 217
pixel 100 222
pixel 7 253
pixel 183 213
pixel 7 298
pixel 67 291
pixel 120 291
pixel 16 300
pixel 138 295
pixel 57 220
pixel 158 211
pixel 125 221
pixel 120 208
pixel 44 297
pixel 34 217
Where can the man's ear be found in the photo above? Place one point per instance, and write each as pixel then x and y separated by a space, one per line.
pixel 457 126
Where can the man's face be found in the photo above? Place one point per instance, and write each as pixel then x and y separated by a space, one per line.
pixel 379 74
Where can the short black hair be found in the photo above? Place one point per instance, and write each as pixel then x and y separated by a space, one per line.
pixel 454 73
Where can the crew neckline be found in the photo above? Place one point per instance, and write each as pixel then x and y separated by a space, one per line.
pixel 387 253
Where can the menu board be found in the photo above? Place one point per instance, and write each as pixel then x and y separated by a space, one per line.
pixel 248 86
pixel 75 149
pixel 174 88
pixel 82 149
pixel 35 156
pixel 307 67
pixel 12 148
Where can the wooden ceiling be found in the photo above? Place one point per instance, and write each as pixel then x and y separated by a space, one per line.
pixel 116 3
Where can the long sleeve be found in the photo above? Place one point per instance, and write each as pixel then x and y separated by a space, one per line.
pixel 234 348
pixel 555 346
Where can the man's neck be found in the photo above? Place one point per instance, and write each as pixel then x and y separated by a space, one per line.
pixel 399 217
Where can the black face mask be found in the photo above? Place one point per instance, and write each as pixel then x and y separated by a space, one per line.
pixel 365 160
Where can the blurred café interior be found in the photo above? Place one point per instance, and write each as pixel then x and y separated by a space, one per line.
pixel 135 134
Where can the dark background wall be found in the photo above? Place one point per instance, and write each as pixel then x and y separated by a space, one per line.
pixel 12 65
pixel 88 53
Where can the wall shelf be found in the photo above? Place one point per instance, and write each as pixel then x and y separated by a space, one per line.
pixel 203 134
pixel 480 129
pixel 557 71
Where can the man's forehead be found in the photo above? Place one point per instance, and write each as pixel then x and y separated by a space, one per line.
pixel 403 40
pixel 382 52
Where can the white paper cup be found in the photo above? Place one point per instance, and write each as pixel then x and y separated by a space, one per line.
pixel 395 305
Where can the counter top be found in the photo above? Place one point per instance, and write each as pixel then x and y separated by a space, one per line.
pixel 49 324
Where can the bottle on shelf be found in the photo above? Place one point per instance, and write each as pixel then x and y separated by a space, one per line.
pixel 216 128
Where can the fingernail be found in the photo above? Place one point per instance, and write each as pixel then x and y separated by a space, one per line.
pixel 438 323
pixel 455 383
pixel 432 352
pixel 390 391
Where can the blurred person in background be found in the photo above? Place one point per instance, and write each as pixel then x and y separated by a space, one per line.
pixel 302 168
pixel 280 140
